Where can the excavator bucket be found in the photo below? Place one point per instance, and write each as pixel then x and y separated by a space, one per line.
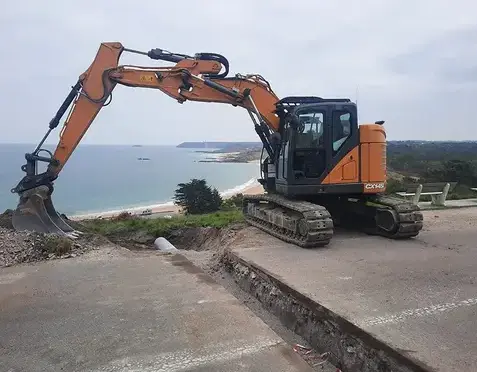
pixel 35 212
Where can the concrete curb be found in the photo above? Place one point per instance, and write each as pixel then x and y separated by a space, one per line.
pixel 352 348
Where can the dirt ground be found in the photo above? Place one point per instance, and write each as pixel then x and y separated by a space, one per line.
pixel 202 244
pixel 450 219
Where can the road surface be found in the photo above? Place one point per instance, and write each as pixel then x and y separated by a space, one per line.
pixel 124 311
pixel 419 296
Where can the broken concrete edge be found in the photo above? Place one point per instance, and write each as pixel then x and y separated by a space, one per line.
pixel 351 348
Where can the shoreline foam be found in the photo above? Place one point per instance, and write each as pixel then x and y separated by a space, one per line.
pixel 252 186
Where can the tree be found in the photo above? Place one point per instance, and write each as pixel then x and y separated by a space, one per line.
pixel 196 197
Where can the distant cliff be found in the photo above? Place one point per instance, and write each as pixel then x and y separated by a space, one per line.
pixel 219 145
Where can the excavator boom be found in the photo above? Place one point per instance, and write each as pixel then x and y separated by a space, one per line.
pixel 196 78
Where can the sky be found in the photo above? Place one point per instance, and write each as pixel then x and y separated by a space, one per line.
pixel 410 63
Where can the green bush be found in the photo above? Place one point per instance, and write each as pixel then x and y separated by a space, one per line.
pixel 196 197
pixel 234 202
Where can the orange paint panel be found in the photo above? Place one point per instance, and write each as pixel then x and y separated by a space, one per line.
pixel 364 162
pixel 346 170
pixel 373 154
pixel 350 170
pixel 377 164
pixel 369 133
pixel 84 110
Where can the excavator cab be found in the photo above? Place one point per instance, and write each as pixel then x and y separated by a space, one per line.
pixel 316 134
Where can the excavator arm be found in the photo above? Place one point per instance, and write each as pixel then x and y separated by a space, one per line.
pixel 196 78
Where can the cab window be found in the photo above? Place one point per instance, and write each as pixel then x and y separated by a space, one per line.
pixel 310 130
pixel 341 129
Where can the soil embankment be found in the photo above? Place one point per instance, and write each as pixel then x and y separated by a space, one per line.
pixel 18 247
pixel 23 247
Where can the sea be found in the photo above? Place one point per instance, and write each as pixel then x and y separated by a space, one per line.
pixel 100 178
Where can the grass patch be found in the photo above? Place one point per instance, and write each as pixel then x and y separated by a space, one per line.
pixel 162 226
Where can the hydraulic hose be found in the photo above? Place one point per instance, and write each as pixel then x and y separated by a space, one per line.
pixel 218 58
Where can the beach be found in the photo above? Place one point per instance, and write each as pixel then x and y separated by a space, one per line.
pixel 252 187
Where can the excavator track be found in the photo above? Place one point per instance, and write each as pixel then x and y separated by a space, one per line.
pixel 302 223
pixel 395 218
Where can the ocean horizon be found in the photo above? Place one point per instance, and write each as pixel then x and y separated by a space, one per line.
pixel 100 178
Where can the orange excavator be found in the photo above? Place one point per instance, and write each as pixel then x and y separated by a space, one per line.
pixel 319 168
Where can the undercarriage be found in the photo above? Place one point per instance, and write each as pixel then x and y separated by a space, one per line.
pixel 310 223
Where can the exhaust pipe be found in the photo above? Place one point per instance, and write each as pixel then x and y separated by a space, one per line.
pixel 35 212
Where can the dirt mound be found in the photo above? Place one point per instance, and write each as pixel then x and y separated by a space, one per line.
pixel 21 247
pixel 185 238
pixel 203 238
pixel 205 246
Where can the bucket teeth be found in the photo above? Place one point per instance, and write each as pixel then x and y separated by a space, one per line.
pixel 35 212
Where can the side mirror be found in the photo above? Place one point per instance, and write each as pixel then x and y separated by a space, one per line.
pixel 380 122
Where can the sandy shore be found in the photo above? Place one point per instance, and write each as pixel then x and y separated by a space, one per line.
pixel 167 208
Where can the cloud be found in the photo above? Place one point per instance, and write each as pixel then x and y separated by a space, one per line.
pixel 449 59
pixel 413 63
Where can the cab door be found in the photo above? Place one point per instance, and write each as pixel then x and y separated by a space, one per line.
pixel 307 152
pixel 324 144
pixel 343 153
